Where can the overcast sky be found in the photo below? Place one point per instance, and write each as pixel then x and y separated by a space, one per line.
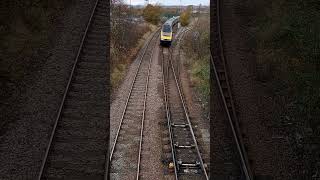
pixel 170 2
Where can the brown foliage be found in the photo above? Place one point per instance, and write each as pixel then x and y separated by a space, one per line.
pixel 125 37
pixel 152 14
pixel 185 17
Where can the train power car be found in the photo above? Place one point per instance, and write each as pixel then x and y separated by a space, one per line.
pixel 166 36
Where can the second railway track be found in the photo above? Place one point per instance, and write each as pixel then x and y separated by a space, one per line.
pixel 186 157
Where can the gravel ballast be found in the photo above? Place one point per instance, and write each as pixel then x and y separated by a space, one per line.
pixel 151 167
pixel 24 139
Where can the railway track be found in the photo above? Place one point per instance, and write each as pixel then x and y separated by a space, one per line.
pixel 219 66
pixel 77 148
pixel 186 157
pixel 126 150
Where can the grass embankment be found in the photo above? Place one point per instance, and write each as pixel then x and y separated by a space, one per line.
pixel 196 48
pixel 288 49
pixel 122 57
pixel 200 72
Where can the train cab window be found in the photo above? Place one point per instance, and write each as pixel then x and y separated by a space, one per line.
pixel 166 28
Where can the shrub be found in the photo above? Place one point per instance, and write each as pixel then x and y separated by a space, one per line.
pixel 152 14
pixel 196 47
pixel 185 18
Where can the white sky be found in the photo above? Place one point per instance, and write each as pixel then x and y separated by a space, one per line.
pixel 170 2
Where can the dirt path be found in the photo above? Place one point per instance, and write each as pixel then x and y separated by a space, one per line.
pixel 151 154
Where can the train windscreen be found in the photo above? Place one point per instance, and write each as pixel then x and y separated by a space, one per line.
pixel 166 28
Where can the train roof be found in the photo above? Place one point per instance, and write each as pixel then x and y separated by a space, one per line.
pixel 172 20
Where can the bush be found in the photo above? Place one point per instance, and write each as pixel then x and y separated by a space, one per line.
pixel 152 14
pixel 123 47
pixel 185 18
pixel 200 74
pixel 196 48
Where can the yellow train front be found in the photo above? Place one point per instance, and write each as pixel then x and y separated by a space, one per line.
pixel 166 35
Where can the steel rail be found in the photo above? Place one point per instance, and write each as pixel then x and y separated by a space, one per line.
pixel 181 35
pixel 235 132
pixel 143 116
pixel 168 116
pixel 189 122
pixel 44 160
pixel 129 95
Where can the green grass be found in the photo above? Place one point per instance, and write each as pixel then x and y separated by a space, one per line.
pixel 200 74
pixel 197 57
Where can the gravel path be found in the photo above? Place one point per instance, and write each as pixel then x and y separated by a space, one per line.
pixel 23 140
pixel 151 167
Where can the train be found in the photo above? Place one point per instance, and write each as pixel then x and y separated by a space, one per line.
pixel 166 35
